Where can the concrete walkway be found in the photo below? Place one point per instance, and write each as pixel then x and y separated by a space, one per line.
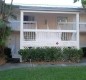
pixel 23 65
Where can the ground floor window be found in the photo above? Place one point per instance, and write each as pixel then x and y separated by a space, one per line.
pixel 29 36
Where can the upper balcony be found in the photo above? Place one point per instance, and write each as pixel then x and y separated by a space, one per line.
pixel 15 26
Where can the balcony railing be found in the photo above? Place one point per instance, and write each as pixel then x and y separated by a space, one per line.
pixel 29 25
pixel 49 38
pixel 49 35
pixel 15 25
pixel 67 25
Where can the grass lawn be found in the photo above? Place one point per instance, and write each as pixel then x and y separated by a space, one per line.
pixel 45 73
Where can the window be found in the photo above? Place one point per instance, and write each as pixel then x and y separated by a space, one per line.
pixel 62 19
pixel 28 18
pixel 29 36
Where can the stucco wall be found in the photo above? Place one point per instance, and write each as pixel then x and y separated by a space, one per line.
pixel 83 39
pixel 82 17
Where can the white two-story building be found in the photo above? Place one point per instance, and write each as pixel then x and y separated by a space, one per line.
pixel 47 27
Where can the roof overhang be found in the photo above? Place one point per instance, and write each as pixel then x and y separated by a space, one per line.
pixel 53 9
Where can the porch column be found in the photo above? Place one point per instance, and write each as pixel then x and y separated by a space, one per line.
pixel 21 29
pixel 77 27
pixel 21 32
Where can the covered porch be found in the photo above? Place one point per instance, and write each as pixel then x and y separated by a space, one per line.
pixel 49 29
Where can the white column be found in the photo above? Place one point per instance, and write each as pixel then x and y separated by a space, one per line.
pixel 77 27
pixel 21 29
pixel 21 32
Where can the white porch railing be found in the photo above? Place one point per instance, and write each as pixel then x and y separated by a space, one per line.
pixel 64 35
pixel 29 25
pixel 60 25
pixel 67 25
pixel 15 25
pixel 49 37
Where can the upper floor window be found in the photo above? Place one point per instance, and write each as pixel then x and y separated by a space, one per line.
pixel 62 19
pixel 29 18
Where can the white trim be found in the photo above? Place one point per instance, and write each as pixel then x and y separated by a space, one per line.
pixel 77 26
pixel 41 30
pixel 29 21
pixel 50 12
pixel 21 29
pixel 39 41
pixel 49 44
pixel 66 22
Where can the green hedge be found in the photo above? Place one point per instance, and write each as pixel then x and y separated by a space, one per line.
pixel 72 54
pixel 51 54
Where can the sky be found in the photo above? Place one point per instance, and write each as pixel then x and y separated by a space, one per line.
pixel 46 2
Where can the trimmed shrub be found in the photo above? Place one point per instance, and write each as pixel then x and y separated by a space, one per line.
pixel 66 54
pixel 37 54
pixel 58 56
pixel 24 54
pixel 72 54
pixel 51 54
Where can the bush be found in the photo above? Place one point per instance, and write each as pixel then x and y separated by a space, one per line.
pixel 51 54
pixel 37 54
pixel 72 54
pixel 58 56
pixel 66 54
pixel 24 54
pixel 7 52
pixel 6 55
pixel 84 51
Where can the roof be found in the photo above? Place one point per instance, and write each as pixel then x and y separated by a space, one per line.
pixel 60 9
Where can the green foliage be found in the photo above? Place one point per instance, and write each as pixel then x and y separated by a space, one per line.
pixel 72 54
pixel 58 56
pixel 75 1
pixel 24 53
pixel 83 2
pixel 66 54
pixel 51 54
pixel 5 30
